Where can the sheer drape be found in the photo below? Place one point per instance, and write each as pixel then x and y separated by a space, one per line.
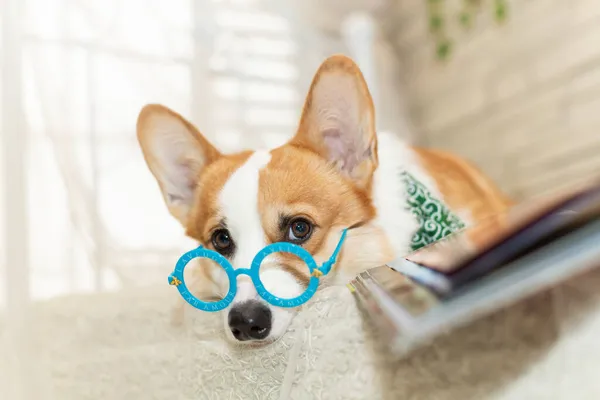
pixel 239 69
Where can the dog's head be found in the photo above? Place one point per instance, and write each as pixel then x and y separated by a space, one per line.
pixel 304 192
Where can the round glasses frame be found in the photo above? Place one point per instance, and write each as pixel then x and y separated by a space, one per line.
pixel 176 278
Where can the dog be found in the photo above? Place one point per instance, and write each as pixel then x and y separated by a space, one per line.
pixel 335 172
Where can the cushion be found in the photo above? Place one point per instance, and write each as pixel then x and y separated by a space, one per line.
pixel 122 346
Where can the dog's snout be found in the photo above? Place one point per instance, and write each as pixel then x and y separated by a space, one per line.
pixel 250 320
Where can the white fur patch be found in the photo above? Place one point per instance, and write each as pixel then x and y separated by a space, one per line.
pixel 389 193
pixel 238 201
pixel 239 206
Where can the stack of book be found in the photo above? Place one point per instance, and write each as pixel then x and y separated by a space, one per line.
pixel 480 270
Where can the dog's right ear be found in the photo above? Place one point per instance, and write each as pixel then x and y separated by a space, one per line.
pixel 175 152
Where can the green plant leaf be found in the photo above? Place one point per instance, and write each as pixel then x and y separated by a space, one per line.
pixel 466 19
pixel 436 22
pixel 443 49
pixel 501 10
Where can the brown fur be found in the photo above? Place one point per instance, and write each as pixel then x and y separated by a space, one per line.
pixel 466 188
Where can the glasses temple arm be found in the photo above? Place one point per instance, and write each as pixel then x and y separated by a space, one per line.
pixel 326 267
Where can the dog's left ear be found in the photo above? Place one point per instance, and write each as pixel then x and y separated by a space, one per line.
pixel 338 120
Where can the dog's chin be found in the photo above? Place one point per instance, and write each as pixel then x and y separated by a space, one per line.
pixel 250 344
pixel 281 320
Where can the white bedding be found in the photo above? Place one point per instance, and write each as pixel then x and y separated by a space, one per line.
pixel 122 346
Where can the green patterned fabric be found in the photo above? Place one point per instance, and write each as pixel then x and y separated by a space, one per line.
pixel 435 219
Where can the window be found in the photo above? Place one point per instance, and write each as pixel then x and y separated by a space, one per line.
pixel 236 68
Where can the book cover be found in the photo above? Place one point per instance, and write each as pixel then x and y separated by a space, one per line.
pixel 455 280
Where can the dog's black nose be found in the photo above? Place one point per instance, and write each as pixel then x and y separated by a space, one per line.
pixel 250 320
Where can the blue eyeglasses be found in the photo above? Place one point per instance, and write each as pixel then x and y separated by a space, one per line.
pixel 176 278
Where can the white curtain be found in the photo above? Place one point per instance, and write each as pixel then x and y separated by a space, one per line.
pixel 239 69
pixel 81 211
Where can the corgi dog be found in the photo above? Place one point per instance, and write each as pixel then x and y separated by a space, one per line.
pixel 335 172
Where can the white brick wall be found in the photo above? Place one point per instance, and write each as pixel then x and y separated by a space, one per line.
pixel 521 100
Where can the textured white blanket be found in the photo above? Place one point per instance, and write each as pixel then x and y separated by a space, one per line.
pixel 122 346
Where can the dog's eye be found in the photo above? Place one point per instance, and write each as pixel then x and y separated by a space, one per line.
pixel 299 230
pixel 221 240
